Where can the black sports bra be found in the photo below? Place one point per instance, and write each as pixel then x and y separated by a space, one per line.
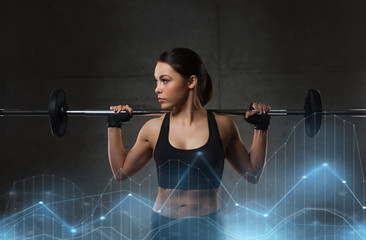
pixel 199 168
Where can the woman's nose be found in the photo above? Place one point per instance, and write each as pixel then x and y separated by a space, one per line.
pixel 157 89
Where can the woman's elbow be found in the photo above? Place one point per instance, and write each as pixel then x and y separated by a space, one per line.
pixel 252 178
pixel 120 176
pixel 117 178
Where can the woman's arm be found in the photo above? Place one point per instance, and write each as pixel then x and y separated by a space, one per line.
pixel 124 164
pixel 247 164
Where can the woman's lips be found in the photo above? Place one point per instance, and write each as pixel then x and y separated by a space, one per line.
pixel 162 100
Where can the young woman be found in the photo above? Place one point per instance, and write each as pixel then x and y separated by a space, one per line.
pixel 189 145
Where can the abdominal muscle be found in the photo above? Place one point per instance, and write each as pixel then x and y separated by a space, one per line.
pixel 176 203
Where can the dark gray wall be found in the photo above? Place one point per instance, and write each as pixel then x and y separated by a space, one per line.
pixel 104 52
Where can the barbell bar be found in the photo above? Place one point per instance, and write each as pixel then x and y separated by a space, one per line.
pixel 147 112
pixel 152 112
pixel 58 112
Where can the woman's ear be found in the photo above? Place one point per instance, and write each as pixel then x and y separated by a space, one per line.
pixel 192 81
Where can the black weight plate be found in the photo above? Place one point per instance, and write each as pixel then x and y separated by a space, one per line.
pixel 57 109
pixel 313 112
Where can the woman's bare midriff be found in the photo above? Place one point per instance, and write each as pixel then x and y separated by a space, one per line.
pixel 175 203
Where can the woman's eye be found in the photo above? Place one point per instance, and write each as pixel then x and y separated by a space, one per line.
pixel 163 80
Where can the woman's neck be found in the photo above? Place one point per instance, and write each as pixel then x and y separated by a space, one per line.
pixel 189 111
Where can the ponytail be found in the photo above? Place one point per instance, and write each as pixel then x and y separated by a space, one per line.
pixel 205 88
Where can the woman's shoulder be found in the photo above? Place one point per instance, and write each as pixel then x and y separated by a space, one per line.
pixel 226 127
pixel 224 123
pixel 153 124
pixel 222 118
pixel 150 130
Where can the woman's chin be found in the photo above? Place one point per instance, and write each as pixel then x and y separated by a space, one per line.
pixel 166 106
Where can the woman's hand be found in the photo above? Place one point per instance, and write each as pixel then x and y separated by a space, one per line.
pixel 120 108
pixel 259 108
pixel 116 119
pixel 259 117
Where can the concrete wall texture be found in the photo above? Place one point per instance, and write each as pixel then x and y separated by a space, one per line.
pixel 104 52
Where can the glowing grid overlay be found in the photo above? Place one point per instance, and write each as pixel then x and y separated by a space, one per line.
pixel 312 188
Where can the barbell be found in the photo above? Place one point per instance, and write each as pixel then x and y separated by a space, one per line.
pixel 58 112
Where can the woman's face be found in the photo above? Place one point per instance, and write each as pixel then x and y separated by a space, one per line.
pixel 171 87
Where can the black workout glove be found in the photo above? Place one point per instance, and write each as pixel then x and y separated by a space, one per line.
pixel 260 121
pixel 116 119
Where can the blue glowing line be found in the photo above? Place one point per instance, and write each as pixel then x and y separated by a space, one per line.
pixel 101 195
pixel 57 217
pixel 302 179
pixel 359 154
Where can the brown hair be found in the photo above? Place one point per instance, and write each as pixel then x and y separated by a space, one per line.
pixel 187 63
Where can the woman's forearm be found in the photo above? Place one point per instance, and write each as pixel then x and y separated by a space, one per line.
pixel 258 151
pixel 116 152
